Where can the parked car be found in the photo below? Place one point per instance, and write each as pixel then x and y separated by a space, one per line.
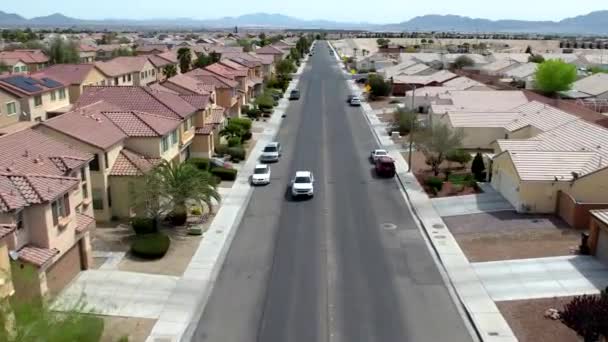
pixel 350 97
pixel 220 162
pixel 294 95
pixel 261 175
pixel 303 184
pixel 377 153
pixel 271 152
pixel 355 101
pixel 385 167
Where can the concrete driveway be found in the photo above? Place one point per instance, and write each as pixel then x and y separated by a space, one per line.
pixel 117 293
pixel 542 278
pixel 488 201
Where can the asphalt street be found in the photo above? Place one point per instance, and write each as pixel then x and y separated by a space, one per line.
pixel 348 265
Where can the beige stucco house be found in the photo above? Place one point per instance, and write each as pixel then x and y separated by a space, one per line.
pixel 46 203
pixel 126 71
pixel 227 90
pixel 27 60
pixel 10 108
pixel 76 76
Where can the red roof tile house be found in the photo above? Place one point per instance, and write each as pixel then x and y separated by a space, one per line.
pixel 241 76
pixel 87 53
pixel 36 94
pixel 276 53
pixel 129 70
pixel 45 203
pixel 254 82
pixel 75 76
pixel 226 89
pixel 32 60
pixel 151 49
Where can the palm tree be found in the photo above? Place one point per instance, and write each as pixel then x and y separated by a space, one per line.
pixel 185 59
pixel 172 187
pixel 170 70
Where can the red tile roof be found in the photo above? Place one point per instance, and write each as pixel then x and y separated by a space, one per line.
pixel 160 87
pixel 86 48
pixel 205 130
pixel 225 71
pixel 66 73
pixel 84 223
pixel 266 59
pixel 170 56
pixel 26 56
pixel 21 190
pixel 269 50
pixel 191 85
pixel 6 229
pixel 235 68
pixel 151 47
pixel 143 99
pixel 197 101
pixel 130 163
pixel 123 65
pixel 209 77
pixel 17 85
pixel 104 125
pixel 37 256
pixel 158 61
pixel 217 116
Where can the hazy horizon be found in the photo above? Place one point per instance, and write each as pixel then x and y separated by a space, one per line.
pixel 356 11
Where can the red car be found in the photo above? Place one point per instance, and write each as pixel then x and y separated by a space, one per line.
pixel 385 167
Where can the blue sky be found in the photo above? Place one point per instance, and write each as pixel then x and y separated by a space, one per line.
pixel 378 11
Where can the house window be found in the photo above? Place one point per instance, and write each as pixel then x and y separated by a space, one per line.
pixel 62 92
pixel 11 108
pixel 24 68
pixel 85 193
pixel 83 175
pixel 141 75
pixel 97 199
pixel 94 164
pixel 19 220
pixel 103 82
pixel 153 72
pixel 109 197
pixel 53 96
pixel 124 79
pixel 106 160
pixel 174 137
pixel 189 123
pixel 37 101
pixel 165 143
pixel 116 81
pixel 60 208
pixel 16 69
pixel 129 77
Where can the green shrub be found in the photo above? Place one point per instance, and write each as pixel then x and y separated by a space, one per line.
pixel 222 149
pixel 224 173
pixel 234 141
pixel 435 183
pixel 151 246
pixel 245 109
pixel 200 163
pixel 264 101
pixel 244 123
pixel 125 338
pixel 143 225
pixel 236 153
pixel 196 211
pixel 247 136
pixel 459 156
pixel 254 113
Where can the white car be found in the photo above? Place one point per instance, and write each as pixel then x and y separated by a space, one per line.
pixel 271 152
pixel 355 101
pixel 377 154
pixel 261 175
pixel 303 184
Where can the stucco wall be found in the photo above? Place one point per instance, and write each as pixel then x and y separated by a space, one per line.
pixel 5 119
pixel 202 146
pixel 146 146
pixel 524 133
pixel 5 272
pixel 592 188
pixel 123 198
pixel 35 112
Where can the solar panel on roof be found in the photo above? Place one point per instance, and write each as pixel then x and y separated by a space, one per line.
pixel 20 82
pixel 49 83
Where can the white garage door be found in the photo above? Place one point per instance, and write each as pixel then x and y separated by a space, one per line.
pixel 507 187
pixel 601 251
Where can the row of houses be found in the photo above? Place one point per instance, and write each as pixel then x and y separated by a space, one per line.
pixel 76 139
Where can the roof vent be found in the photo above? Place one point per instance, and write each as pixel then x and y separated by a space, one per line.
pixel 50 190
pixel 26 153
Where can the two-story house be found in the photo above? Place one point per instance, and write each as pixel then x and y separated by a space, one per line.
pixel 45 195
pixel 6 280
pixel 254 82
pixel 151 49
pixel 127 71
pixel 241 76
pixel 10 108
pixel 87 53
pixel 227 90
pixel 31 60
pixel 37 96
pixel 125 144
pixel 106 51
pixel 276 53
pixel 76 76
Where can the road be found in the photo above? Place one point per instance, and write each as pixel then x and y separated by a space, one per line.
pixel 349 265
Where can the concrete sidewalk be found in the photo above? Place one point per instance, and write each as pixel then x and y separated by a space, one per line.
pixel 488 201
pixel 484 315
pixel 187 301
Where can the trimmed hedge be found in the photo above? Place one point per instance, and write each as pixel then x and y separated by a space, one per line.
pixel 224 174
pixel 234 142
pixel 236 153
pixel 434 183
pixel 151 246
pixel 143 225
pixel 245 123
pixel 200 163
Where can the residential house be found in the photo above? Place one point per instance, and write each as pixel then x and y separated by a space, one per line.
pixel 227 90
pixel 499 67
pixel 125 144
pixel 254 83
pixel 276 53
pixel 10 108
pixel 33 60
pixel 426 96
pixel 6 280
pixel 374 62
pixel 45 201
pixel 76 76
pixel 127 71
pixel 37 96
pixel 263 64
pixel 87 53
pixel 151 49
pixel 106 51
pixel 598 236
pixel 595 86
pixel 402 83
pixel 241 76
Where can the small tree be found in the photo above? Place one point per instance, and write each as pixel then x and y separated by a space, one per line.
pixel 285 67
pixel 378 86
pixel 436 142
pixel 122 52
pixel 536 59
pixel 232 130
pixel 405 121
pixel 463 61
pixel 246 44
pixel 459 156
pixel 382 42
pixel 529 50
pixel 170 70
pixel 554 75
pixel 587 316
pixel 203 60
pixel 478 167
pixel 184 56
pixel 62 52
pixel 4 67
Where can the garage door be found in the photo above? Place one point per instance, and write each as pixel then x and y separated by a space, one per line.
pixel 601 251
pixel 64 270
pixel 508 188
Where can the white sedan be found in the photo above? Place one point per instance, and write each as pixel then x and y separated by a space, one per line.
pixel 261 175
pixel 377 154
pixel 303 184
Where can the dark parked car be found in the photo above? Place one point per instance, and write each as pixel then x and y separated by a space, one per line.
pixel 385 167
pixel 294 95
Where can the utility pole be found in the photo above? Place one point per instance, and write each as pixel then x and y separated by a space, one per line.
pixel 409 156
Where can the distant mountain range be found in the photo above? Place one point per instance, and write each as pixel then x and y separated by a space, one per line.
pixel 592 23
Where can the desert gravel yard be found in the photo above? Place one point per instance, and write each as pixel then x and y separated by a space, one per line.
pixel 506 235
pixel 526 319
